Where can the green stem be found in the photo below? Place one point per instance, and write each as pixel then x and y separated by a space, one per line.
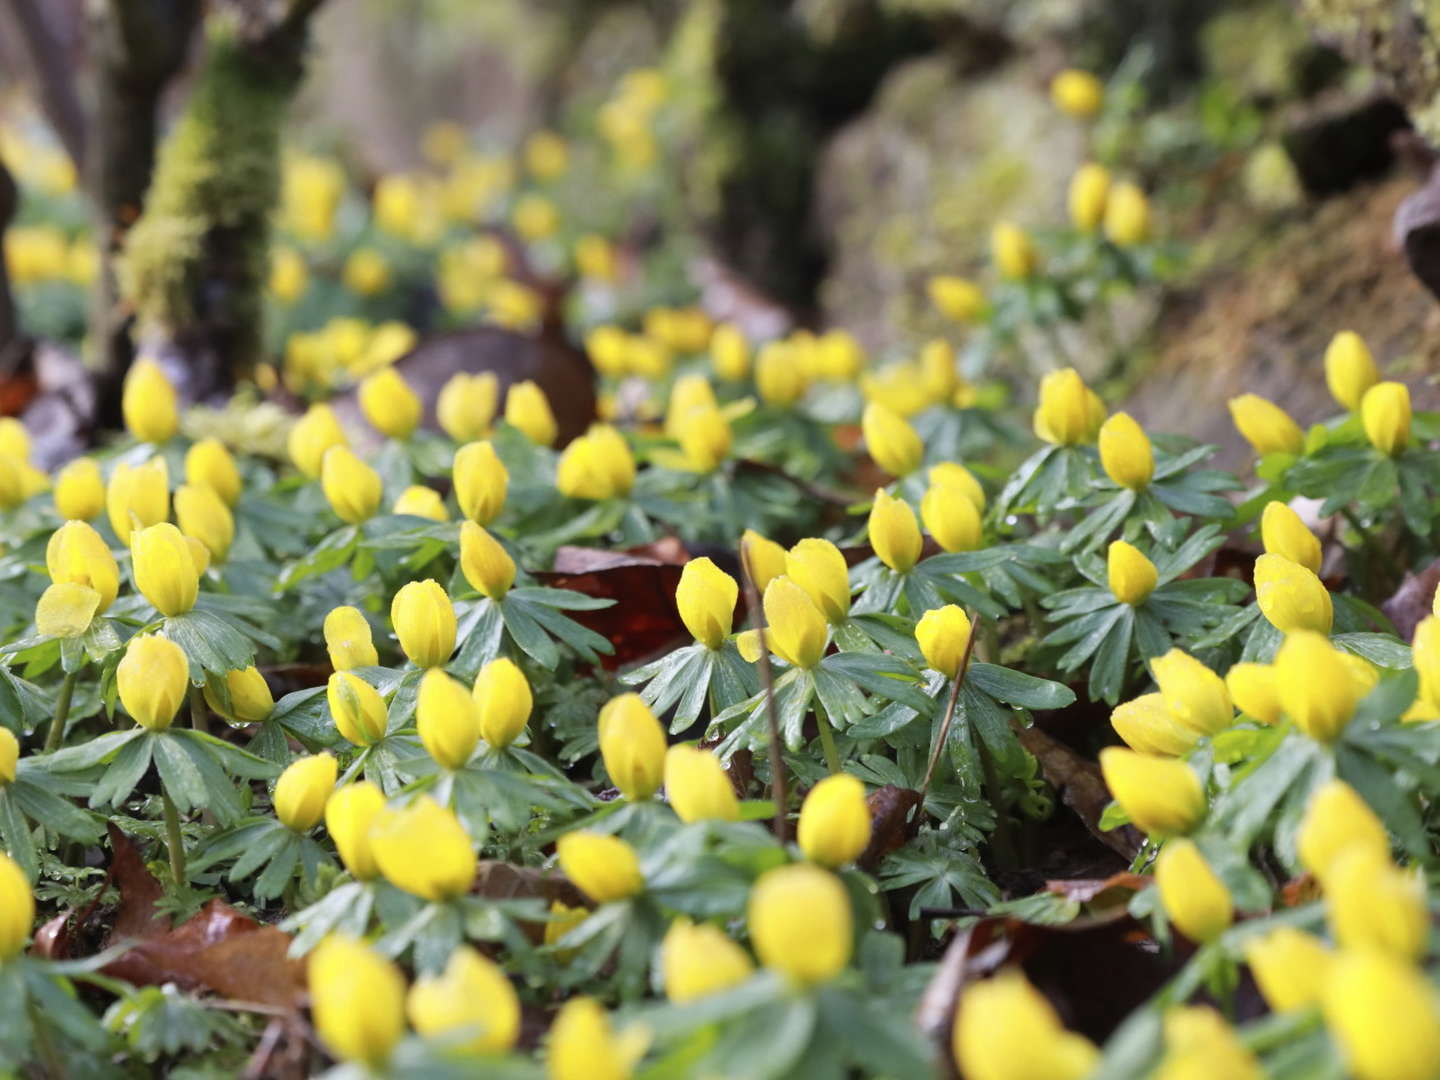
pixel 199 711
pixel 62 713
pixel 827 739
pixel 174 840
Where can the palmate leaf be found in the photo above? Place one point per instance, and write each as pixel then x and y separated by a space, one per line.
pixel 211 643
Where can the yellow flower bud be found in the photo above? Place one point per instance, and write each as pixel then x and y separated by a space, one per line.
pixel 357 708
pixel 1147 726
pixel 313 434
pixel 153 678
pixel 1197 698
pixel 819 568
pixel 950 474
pixel 1078 93
pixel 603 867
pixel 289 276
pixel 1265 426
pixel 1317 689
pixel 689 392
pixel 149 403
pixel 1196 900
pixel 423 502
pixel 1349 369
pixel 943 635
pixel 481 482
pixel 9 756
pixel 729 352
pixel 1200 1043
pixel 473 997
pixel 1161 795
pixel 892 442
pixel 584 1046
pixel 956 298
pixel 357 999
pixel 1012 251
pixel 951 518
pixel 17 908
pixel 696 961
pixel 424 850
pixel 1283 533
pixel 352 488
pixel 800 922
pixel 1127 215
pixel 137 495
pixel 1125 452
pixel 528 409
pixel 250 697
pixel 563 919
pixel 1088 189
pixel 14 439
pixel 597 465
pixel 705 439
pixel 467 403
pixel 1373 904
pixel 66 610
pixel 1385 414
pixel 302 790
pixel 503 701
pixel 1069 412
pixel 632 743
pixel 834 821
pixel 424 621
pixel 79 490
pixel 1384 1015
pixel 937 371
pixel 697 785
pixel 203 516
pixel 446 719
pixel 389 404
pixel 796 631
pixel 349 813
pixel 706 599
pixel 778 377
pixel 1132 575
pixel 1290 967
pixel 348 639
pixel 1252 688
pixel 894 533
pixel 1291 597
pixel 487 566
pixel 764 560
pixel 164 569
pixel 366 272
pixel 1337 820
pixel 209 465
pixel 76 555
pixel 1005 1029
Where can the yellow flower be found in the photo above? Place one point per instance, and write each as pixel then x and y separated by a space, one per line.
pixel 1005 1029
pixel 424 850
pixel 796 630
pixel 951 518
pixel 1252 688
pixel 203 516
pixel 137 495
pixel 1385 414
pixel 302 790
pixel 1373 904
pixel 348 816
pixel 420 501
pixel 1012 251
pixel 1291 597
pixel 546 155
pixel 14 439
pixel 487 566
pixel 584 1045
pixel 729 352
pixel 474 998
pixel 17 908
pixel 1384 1015
pixel 528 409
pixel 597 465
pixel 366 272
pixel 1317 689
pixel 778 376
pixel 563 919
pixel 153 679
pixel 943 635
pixel 1125 452
pixel 1199 1043
pixel 250 697
pixel 937 371
pixel 1337 820
pixel 348 640
pixel 424 621
pixel 706 597
pixel 1132 575
pixel 1069 412
pixel 1197 698
pixel 1283 533
pixel 800 922
pixel 1078 93
pixel 891 440
pixel 596 258
pixel 163 568
pixel 1127 215
pixel 603 867
pixel 1290 967
pixel 313 434
pixel 209 465
pixel 66 610
pixel 466 405
pixel 357 999
pixel 699 960
pixel 632 743
pixel 446 719
pixel 9 756
pixel 289 277
pixel 1265 426
pixel 76 555
pixel 389 404
pixel 503 701
pixel 690 392
pixel 894 533
pixel 818 567
pixel 357 708
pixel 764 560
pixel 149 403
pixel 1161 795
pixel 697 785
pixel 1349 369
pixel 834 821
pixel 1088 189
pixel 352 488
pixel 1196 900
pixel 1147 726
pixel 481 482
pixel 705 439
pixel 951 474
pixel 956 298
pixel 79 490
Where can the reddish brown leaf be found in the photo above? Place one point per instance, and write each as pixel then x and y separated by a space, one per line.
pixel 892 821
pixel 643 618
pixel 1412 600
pixel 1103 899
pixel 1081 787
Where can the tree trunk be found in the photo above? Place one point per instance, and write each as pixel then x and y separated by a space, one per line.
pixel 12 344
pixel 54 75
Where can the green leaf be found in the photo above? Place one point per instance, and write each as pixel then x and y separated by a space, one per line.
pixel 210 642
pixel 330 554
pixel 75 758
pixel 1017 688
pixel 16 833
pixel 54 812
pixel 120 778
pixel 1380 649
pixel 178 773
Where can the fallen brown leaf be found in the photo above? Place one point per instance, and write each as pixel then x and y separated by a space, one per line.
pixel 892 822
pixel 1081 788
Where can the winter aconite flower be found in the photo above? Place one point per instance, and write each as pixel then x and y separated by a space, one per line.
pixel 481 482
pixel 1199 1042
pixel 420 501
pixel 1252 688
pixel 313 434
pixel 503 701
pixel 819 568
pixel 149 403
pixel 466 405
pixel 209 465
pixel 706 597
pixel 250 699
pixel 164 569
pixel 834 821
pixel 1195 899
pixel 604 867
pixel 1086 199
pixel 79 490
pixel 389 404
pixel 77 555
pixel 958 299
pixel 352 488
pixel 349 813
pixel 1384 1015
pixel 357 708
pixel 697 960
pixel 424 850
pixel 892 442
pixel 424 621
pixel 778 377
pixel 632 744
pixel 1337 820
pixel 1265 426
pixel 1127 215
pixel 302 790
pixel 348 639
pixel 800 922
pixel 1349 369
pixel 1125 452
pixel 1132 576
pixel 1012 251
pixel 764 560
pixel 138 496
pixel 795 629
pixel 705 439
pixel 943 635
pixel 527 408
pixel 203 515
pixel 697 785
pixel 486 565
pixel 597 465
pixel 357 999
pixel 729 352
pixel 951 517
pixel 1147 725
pixel 1068 412
pixel 472 996
pixel 583 1044
pixel 1283 533
pixel 1161 795
pixel 1077 92
pixel 1385 414
pixel 1197 698
pixel 446 719
pixel 153 679
pixel 1374 904
pixel 894 533
pixel 1291 597
pixel 1290 967
pixel 1005 1029
pixel 1318 690
pixel 17 908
